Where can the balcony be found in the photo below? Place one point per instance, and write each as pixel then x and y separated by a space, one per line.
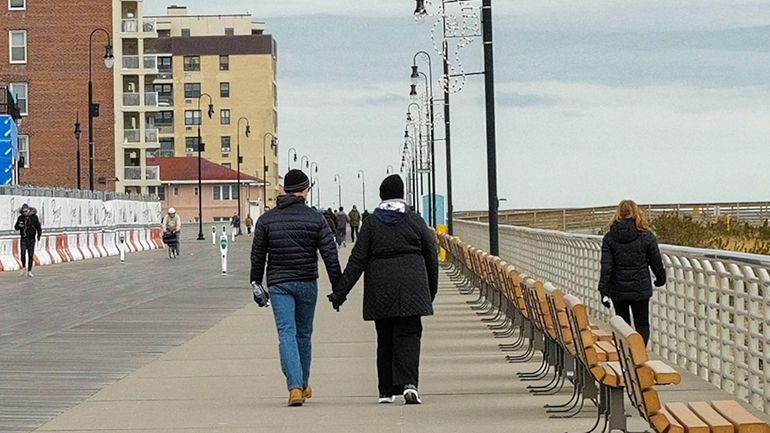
pixel 132 136
pixel 165 128
pixel 151 99
pixel 151 63
pixel 129 25
pixel 165 100
pixel 131 100
pixel 131 62
pixel 151 136
pixel 132 173
pixel 152 173
pixel 164 74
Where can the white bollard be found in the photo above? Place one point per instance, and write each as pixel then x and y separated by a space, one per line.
pixel 122 247
pixel 223 249
pixel 232 236
pixel 213 235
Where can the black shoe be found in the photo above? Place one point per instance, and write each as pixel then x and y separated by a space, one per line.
pixel 411 396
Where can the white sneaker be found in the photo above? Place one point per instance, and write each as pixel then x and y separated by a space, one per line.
pixel 411 396
pixel 30 274
pixel 23 272
pixel 385 399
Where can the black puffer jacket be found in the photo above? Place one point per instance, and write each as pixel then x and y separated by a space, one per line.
pixel 29 225
pixel 627 255
pixel 288 238
pixel 397 253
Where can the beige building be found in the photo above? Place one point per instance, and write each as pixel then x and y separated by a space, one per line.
pixel 184 61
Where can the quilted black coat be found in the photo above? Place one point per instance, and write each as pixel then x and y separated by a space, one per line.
pixel 396 252
pixel 627 256
pixel 289 237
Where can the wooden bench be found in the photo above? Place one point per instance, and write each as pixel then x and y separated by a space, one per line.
pixel 641 375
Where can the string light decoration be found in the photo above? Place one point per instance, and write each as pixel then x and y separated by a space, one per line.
pixel 461 26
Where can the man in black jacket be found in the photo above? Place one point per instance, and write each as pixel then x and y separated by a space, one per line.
pixel 288 238
pixel 29 229
pixel 396 251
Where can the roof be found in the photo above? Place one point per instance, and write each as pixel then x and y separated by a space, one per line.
pixel 181 169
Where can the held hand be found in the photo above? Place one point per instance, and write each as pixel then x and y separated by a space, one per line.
pixel 606 302
pixel 659 283
pixel 335 300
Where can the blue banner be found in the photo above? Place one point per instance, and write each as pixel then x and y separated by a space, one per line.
pixel 9 148
pixel 440 212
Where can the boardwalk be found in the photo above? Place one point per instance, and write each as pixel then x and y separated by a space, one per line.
pixel 142 368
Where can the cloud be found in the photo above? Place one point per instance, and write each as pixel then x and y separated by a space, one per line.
pixel 523 100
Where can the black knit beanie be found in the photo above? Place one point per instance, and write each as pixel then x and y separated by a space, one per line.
pixel 295 181
pixel 392 187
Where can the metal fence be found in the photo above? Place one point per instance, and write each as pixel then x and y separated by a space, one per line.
pixel 32 191
pixel 711 318
pixel 597 218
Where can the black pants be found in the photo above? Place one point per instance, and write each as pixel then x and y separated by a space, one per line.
pixel 398 353
pixel 27 253
pixel 641 313
pixel 353 232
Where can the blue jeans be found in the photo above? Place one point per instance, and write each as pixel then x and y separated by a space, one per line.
pixel 294 310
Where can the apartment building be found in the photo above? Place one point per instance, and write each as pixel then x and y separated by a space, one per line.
pixel 44 62
pixel 225 61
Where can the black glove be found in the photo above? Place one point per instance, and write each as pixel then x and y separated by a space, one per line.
pixel 261 296
pixel 606 302
pixel 659 283
pixel 335 300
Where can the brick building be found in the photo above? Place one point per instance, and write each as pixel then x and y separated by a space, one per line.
pixel 44 59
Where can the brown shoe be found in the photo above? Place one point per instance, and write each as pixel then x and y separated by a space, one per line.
pixel 307 392
pixel 295 397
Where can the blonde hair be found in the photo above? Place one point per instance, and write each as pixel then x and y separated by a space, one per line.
pixel 628 209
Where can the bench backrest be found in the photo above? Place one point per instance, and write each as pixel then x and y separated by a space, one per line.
pixel 559 315
pixel 639 379
pixel 583 338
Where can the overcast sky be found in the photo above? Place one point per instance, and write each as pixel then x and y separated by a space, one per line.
pixel 597 100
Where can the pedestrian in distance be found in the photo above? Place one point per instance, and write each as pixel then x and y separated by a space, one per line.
pixel 249 223
pixel 287 239
pixel 28 226
pixel 364 215
pixel 355 223
pixel 331 221
pixel 235 222
pixel 172 229
pixel 629 250
pixel 342 220
pixel 396 252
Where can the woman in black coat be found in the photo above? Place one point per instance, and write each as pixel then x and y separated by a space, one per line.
pixel 629 250
pixel 397 253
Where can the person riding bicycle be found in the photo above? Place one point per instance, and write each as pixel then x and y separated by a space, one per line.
pixel 172 225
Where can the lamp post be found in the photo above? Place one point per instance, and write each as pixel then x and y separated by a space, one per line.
pixel 431 142
pixel 200 158
pixel 317 195
pixel 304 162
pixel 313 169
pixel 294 152
pixel 389 169
pixel 273 145
pixel 338 181
pixel 412 159
pixel 362 176
pixel 93 109
pixel 418 157
pixel 238 164
pixel 77 150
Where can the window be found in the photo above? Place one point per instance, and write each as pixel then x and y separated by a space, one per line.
pixel 24 150
pixel 224 63
pixel 162 89
pixel 157 190
pixel 229 31
pixel 176 191
pixel 20 93
pixel 192 117
pixel 192 63
pixel 224 117
pixel 185 33
pixel 227 165
pixel 18 47
pixel 225 192
pixel 224 90
pixel 17 5
pixel 225 144
pixel 166 147
pixel 165 64
pixel 192 90
pixel 164 118
pixel 164 33
pixel 191 143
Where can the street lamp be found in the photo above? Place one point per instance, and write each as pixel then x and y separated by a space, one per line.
pixel 317 195
pixel 200 158
pixel 93 109
pixel 313 169
pixel 238 164
pixel 418 152
pixel 294 152
pixel 77 151
pixel 410 158
pixel 362 176
pixel 415 77
pixel 273 145
pixel 304 162
pixel 338 181
pixel 389 169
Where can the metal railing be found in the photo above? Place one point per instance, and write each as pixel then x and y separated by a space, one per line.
pixel 165 100
pixel 151 99
pixel 132 173
pixel 33 191
pixel 131 99
pixel 151 136
pixel 711 318
pixel 129 25
pixel 152 173
pixel 597 218
pixel 165 128
pixel 130 62
pixel 150 62
pixel 165 74
pixel 132 136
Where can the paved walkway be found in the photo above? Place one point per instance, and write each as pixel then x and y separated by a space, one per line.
pixel 227 379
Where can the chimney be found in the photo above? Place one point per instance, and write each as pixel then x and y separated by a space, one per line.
pixel 176 11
